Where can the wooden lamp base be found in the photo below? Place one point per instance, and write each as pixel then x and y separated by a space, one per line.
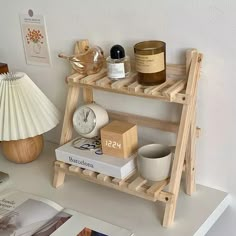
pixel 23 150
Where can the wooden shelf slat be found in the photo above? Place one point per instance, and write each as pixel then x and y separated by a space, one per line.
pixel 89 173
pixel 104 82
pixel 144 121
pixel 120 182
pixel 131 185
pixel 137 183
pixel 93 78
pixel 175 88
pixel 157 88
pixel 168 91
pixel 156 188
pixel 75 78
pixel 75 169
pixel 123 82
pixel 134 87
pixel 104 178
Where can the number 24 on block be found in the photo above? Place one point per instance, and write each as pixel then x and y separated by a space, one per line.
pixel 113 144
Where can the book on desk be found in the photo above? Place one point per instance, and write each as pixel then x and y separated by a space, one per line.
pixel 87 154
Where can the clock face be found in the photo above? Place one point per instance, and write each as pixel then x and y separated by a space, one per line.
pixel 84 120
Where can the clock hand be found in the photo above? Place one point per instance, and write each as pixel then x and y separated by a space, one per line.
pixel 86 117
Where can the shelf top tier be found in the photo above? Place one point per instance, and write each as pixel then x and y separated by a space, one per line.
pixel 173 90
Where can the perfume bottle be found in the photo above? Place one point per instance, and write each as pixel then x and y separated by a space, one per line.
pixel 118 65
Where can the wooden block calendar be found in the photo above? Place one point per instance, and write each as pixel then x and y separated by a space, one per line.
pixel 119 139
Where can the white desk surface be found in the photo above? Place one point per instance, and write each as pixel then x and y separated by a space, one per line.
pixel 194 215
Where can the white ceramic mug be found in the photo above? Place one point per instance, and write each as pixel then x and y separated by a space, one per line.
pixel 154 161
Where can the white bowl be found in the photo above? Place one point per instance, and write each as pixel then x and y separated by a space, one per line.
pixel 154 161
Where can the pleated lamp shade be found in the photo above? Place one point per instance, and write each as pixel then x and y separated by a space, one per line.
pixel 24 110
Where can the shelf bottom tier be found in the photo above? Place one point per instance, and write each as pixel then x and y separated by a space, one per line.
pixel 133 184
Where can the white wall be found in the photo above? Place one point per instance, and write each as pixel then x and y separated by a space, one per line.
pixel 207 25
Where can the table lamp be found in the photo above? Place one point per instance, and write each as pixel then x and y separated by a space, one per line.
pixel 25 114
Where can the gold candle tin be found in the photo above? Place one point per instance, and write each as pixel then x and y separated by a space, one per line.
pixel 150 62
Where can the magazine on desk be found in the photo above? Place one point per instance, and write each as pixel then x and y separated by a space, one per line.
pixel 22 214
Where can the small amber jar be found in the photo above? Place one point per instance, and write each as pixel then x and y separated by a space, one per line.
pixel 3 68
pixel 150 62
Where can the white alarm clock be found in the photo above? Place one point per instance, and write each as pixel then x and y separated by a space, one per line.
pixel 89 119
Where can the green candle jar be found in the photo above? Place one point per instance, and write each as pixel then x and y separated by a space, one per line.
pixel 150 62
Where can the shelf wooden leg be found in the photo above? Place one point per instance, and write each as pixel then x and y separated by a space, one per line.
pixel 71 105
pixel 190 158
pixel 88 95
pixel 59 175
pixel 190 154
pixel 177 166
pixel 182 139
pixel 67 130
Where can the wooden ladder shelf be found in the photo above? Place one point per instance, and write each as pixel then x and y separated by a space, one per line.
pixel 180 87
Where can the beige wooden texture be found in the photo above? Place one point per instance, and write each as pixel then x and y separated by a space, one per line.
pixel 72 97
pixel 137 183
pixel 127 86
pixel 189 56
pixel 59 177
pixel 74 78
pixel 134 87
pixel 104 178
pixel 59 174
pixel 82 46
pixel 90 79
pixel 122 188
pixel 71 105
pixel 190 158
pixel 181 143
pixel 120 182
pixel 144 121
pixel 75 169
pixel 90 173
pixel 157 88
pixel 23 150
pixel 105 85
pixel 156 188
pixel 175 88
pixel 136 188
pixel 190 154
pixel 131 87
pixel 191 150
pixel 123 82
pixel 104 82
pixel 165 197
pixel 88 95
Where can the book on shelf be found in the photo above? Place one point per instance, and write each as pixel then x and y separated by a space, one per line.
pixel 87 154
pixel 23 214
